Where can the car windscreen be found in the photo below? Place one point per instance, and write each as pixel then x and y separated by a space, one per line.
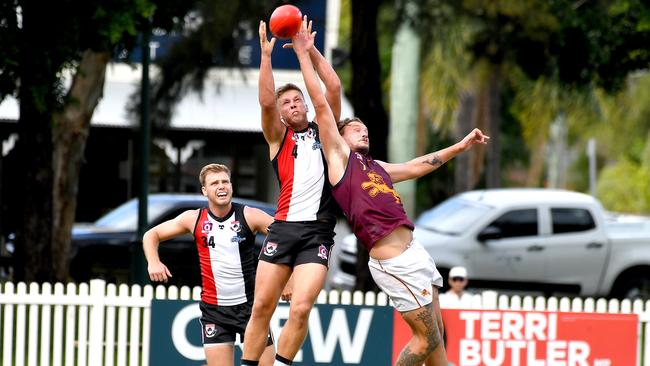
pixel 125 217
pixel 452 217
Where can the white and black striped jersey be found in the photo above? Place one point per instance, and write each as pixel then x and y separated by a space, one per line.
pixel 226 255
pixel 301 169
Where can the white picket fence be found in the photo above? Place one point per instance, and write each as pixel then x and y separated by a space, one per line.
pixel 104 324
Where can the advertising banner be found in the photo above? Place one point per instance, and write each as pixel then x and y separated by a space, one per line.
pixel 538 338
pixel 374 335
pixel 338 334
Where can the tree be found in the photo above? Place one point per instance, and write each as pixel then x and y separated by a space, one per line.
pixel 448 87
pixel 623 140
pixel 366 92
pixel 568 46
pixel 214 39
pixel 44 41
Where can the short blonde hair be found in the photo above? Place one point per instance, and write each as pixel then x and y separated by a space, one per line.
pixel 285 88
pixel 212 168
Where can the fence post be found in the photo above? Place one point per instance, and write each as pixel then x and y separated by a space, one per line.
pixel 96 337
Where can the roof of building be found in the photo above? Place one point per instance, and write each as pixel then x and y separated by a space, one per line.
pixel 228 102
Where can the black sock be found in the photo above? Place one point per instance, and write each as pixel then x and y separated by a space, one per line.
pixel 249 362
pixel 279 360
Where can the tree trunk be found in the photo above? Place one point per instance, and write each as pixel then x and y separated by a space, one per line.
pixel 38 99
pixel 480 119
pixel 33 256
pixel 367 100
pixel 366 94
pixel 536 167
pixel 70 133
pixel 464 176
pixel 487 118
pixel 493 98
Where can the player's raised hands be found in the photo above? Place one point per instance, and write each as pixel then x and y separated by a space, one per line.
pixel 304 39
pixel 265 45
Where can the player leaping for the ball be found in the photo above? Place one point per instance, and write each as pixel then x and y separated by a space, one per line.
pixel 302 235
pixel 363 187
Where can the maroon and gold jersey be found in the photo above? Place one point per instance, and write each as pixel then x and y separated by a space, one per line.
pixel 368 199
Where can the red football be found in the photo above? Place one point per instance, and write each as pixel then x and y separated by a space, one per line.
pixel 285 21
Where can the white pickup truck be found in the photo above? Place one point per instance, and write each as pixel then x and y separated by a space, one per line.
pixel 552 241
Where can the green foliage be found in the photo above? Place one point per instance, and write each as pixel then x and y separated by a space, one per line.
pixel 575 43
pixel 386 24
pixel 445 75
pixel 627 116
pixel 624 146
pixel 513 147
pixel 214 38
pixel 9 32
pixel 559 58
pixel 118 24
pixel 625 187
pixel 537 103
pixel 72 26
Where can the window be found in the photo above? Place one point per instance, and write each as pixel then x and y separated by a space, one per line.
pixel 517 223
pixel 570 220
pixel 452 217
pixel 125 217
pixel 175 212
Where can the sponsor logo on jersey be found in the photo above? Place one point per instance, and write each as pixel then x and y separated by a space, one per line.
pixel 322 251
pixel 237 239
pixel 235 226
pixel 207 226
pixel 210 330
pixel 425 293
pixel 221 226
pixel 270 248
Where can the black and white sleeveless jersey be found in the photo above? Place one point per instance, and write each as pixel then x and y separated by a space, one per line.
pixel 226 255
pixel 301 170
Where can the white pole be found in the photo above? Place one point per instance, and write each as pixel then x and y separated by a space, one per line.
pixel 404 102
pixel 591 154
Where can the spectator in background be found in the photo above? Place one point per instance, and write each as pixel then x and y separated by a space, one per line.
pixel 456 296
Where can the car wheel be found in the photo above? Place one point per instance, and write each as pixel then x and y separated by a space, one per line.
pixel 636 288
pixel 633 285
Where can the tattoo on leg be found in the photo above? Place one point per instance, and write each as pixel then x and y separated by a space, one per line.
pixel 407 357
pixel 431 326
